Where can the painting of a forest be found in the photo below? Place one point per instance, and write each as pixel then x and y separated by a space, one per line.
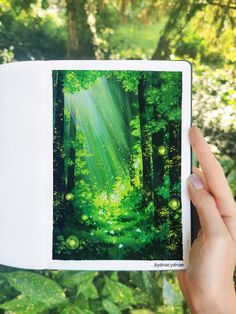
pixel 117 165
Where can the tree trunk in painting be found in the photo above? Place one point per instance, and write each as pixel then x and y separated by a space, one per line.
pixel 71 169
pixel 158 173
pixel 58 147
pixel 175 178
pixel 145 146
pixel 174 152
pixel 80 36
pixel 131 170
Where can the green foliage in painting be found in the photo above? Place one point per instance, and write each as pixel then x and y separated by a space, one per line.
pixel 75 81
pixel 129 80
pixel 111 124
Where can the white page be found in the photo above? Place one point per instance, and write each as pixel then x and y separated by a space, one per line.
pixel 33 228
pixel 185 68
pixel 23 135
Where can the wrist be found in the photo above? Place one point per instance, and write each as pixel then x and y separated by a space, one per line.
pixel 225 303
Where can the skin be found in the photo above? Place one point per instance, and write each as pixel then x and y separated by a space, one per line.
pixel 207 284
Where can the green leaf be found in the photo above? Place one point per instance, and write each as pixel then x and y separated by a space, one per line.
pixel 72 309
pixel 136 278
pixel 114 276
pixel 83 276
pixel 151 286
pixel 148 281
pixel 81 301
pixel 141 311
pixel 83 281
pixel 118 292
pixel 78 278
pixel 36 287
pixel 110 307
pixel 171 297
pixel 24 305
pixel 88 289
pixel 7 292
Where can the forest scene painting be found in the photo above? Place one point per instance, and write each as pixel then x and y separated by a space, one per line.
pixel 117 165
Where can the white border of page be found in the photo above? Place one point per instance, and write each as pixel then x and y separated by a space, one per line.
pixel 26 164
pixel 185 68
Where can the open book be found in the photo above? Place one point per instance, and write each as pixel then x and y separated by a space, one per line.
pixel 93 164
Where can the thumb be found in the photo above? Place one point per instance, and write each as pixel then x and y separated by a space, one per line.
pixel 210 219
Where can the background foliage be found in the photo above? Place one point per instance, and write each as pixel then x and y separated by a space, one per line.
pixel 202 32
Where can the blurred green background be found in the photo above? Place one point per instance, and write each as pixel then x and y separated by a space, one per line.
pixel 203 32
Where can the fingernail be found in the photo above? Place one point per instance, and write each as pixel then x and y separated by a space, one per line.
pixel 196 181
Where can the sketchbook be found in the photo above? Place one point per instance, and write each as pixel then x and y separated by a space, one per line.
pixel 94 161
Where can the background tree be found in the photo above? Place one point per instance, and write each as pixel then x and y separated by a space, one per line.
pixel 81 29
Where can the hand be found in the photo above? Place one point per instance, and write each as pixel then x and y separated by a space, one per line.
pixel 208 284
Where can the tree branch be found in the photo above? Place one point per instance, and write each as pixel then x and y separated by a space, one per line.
pixel 222 5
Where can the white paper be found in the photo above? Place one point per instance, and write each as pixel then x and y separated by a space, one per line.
pixel 22 164
pixel 26 164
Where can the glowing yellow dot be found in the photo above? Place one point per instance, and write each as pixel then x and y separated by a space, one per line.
pixel 72 242
pixel 69 197
pixel 84 217
pixel 161 150
pixel 174 203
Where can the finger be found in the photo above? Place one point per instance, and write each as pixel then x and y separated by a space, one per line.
pixel 229 219
pixel 210 219
pixel 213 173
pixel 200 174
pixel 199 234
